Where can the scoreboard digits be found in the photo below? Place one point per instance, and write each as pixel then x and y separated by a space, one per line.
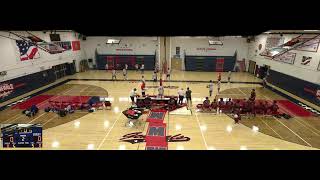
pixel 18 135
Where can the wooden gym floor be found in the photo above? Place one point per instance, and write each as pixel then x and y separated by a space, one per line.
pixel 103 129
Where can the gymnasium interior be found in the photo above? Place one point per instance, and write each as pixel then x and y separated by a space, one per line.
pixel 81 87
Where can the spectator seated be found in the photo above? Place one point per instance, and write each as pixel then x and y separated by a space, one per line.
pixel 32 111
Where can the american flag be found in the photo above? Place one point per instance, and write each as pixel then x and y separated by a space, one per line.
pixel 27 50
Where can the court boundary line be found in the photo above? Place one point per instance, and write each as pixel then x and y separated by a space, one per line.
pixel 271 128
pixel 204 140
pixel 105 137
pixel 6 122
pixel 37 117
pixel 55 116
pixel 15 116
pixel 293 132
pixel 310 128
pixel 307 124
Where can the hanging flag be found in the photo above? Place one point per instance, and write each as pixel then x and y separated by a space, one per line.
pixel 306 60
pixel 27 50
pixel 75 45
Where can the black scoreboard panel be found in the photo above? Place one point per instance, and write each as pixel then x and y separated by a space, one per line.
pixel 16 136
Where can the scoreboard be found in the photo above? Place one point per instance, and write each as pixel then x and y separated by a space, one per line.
pixel 21 135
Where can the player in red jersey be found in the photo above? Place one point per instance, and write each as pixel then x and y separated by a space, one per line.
pixel 265 107
pixel 236 107
pixel 252 110
pixel 229 105
pixel 143 89
pixel 206 104
pixel 259 108
pixel 214 104
pixel 245 107
pixel 274 107
pixel 221 103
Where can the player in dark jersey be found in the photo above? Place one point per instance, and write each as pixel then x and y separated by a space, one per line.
pixel 188 96
pixel 253 95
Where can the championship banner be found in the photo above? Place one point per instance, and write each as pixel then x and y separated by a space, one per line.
pixel 311 46
pixel 287 57
pixel 66 45
pixel 53 48
pixel 273 42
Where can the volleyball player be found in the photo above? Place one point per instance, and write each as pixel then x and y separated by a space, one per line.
pixel 154 76
pixel 218 86
pixel 168 74
pixel 114 76
pixel 188 96
pixel 125 74
pixel 229 76
pixel 210 88
pixel 142 69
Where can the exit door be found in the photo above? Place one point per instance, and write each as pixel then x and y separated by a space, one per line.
pixel 219 64
pixel 252 66
pixel 110 62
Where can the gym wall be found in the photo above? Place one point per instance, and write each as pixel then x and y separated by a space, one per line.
pixel 10 56
pixel 128 47
pixel 199 47
pixel 119 61
pixel 298 87
pixel 210 63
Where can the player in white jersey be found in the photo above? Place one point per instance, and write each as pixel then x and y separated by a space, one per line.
pixel 114 76
pixel 218 85
pixel 124 71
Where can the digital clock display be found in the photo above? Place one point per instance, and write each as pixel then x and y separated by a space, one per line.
pixel 15 136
